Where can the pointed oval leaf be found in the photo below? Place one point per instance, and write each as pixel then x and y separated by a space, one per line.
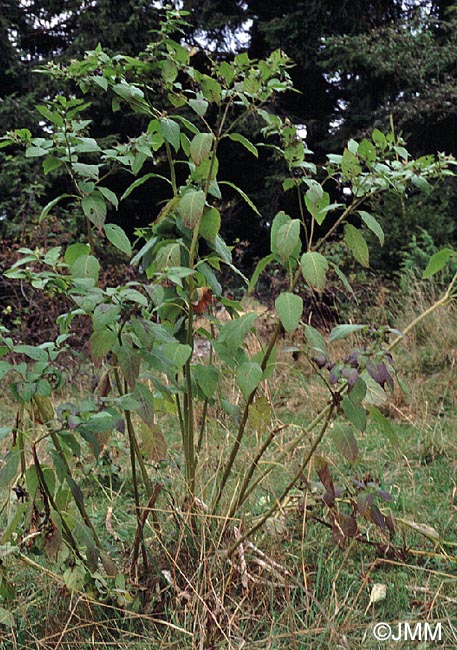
pixel 290 308
pixel 315 340
pixel 200 106
pixel 345 442
pixel 314 268
pixel 118 238
pixel 248 377
pixel 288 239
pixel 146 399
pixel 102 342
pixel 109 196
pixel 357 244
pixel 86 171
pixel 167 256
pixel 373 225
pixel 171 132
pixel 129 361
pixel 344 330
pixel 234 332
pixel 210 224
pixel 437 262
pixel 74 251
pixel 85 266
pixel 177 354
pixel 191 206
pixel 94 207
pixel 237 137
pixel 200 147
pixel 207 378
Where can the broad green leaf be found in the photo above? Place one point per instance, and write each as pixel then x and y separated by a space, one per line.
pixel 170 131
pixel 248 377
pixel 118 238
pixel 9 469
pixel 421 183
pixel 102 341
pixel 51 163
pixel 243 195
pixel 234 332
pixel 281 219
pixel 437 262
pixel 210 224
pixel 200 147
pixel 129 361
pixel 167 256
pixel 207 378
pixel 210 89
pixel 109 195
pixel 133 296
pixel 315 340
pixel 86 171
pixel 38 354
pixel 146 399
pixel 227 72
pixel 87 145
pixel 379 139
pixel 191 206
pixel 357 244
pixel 260 414
pixel 385 427
pixel 168 70
pixel 105 314
pixel 85 266
pixel 288 239
pixel 350 165
pixel 237 137
pixel 355 412
pixel 200 106
pixel 35 152
pixel 177 354
pixel 367 151
pixel 314 268
pixel 345 330
pixel 74 251
pixel 373 225
pixel 345 442
pixel 94 207
pixel 316 201
pixel 376 395
pixel 289 307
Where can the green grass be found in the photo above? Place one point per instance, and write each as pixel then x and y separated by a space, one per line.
pixel 297 588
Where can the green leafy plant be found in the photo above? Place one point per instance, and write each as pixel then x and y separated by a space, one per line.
pixel 145 331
